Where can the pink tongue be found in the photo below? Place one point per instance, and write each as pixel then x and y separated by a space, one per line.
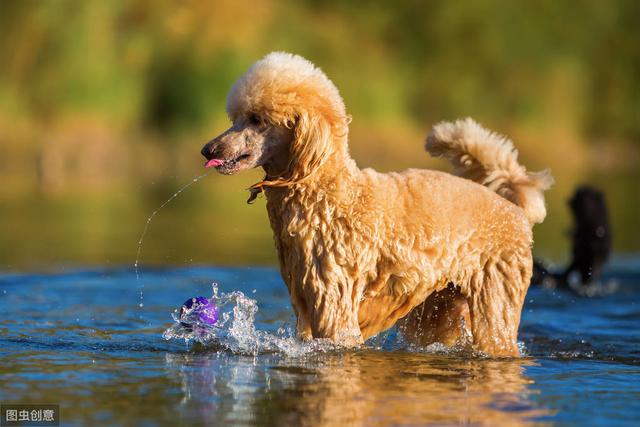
pixel 213 163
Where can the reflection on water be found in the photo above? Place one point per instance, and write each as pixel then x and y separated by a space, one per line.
pixel 288 382
pixel 367 388
pixel 363 388
pixel 211 223
pixel 208 223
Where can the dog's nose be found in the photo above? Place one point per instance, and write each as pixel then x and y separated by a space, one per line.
pixel 207 150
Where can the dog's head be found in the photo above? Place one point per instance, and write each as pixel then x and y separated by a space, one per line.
pixel 287 117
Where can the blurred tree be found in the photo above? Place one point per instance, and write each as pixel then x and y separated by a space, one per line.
pixel 95 95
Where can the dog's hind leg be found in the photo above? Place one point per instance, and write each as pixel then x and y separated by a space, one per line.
pixel 443 317
pixel 496 295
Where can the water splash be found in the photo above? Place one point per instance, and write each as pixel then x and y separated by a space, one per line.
pixel 236 331
pixel 146 227
pixel 595 289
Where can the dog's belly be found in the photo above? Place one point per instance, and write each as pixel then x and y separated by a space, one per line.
pixel 381 311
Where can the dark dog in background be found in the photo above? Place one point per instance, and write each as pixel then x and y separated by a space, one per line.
pixel 591 237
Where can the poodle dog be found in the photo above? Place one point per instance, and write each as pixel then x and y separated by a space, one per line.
pixel 591 235
pixel 591 243
pixel 360 250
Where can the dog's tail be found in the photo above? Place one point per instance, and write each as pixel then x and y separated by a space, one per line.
pixel 491 160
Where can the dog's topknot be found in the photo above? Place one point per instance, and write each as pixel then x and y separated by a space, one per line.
pixel 281 86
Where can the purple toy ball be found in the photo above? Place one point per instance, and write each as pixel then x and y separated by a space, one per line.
pixel 198 310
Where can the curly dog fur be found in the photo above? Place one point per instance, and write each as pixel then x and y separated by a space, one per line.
pixel 359 250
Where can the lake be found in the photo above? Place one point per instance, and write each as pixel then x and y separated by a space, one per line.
pixel 92 342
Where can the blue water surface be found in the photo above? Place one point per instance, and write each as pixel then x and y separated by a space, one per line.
pixel 91 341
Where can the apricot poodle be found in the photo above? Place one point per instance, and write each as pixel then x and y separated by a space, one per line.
pixel 359 250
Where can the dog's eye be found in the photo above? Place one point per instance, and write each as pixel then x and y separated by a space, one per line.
pixel 255 119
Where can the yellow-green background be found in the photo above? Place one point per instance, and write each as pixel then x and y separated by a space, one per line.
pixel 104 106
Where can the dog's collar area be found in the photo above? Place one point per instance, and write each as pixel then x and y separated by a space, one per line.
pixel 255 190
pixel 258 188
pixel 267 181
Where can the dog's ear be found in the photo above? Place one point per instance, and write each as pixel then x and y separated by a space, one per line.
pixel 313 137
pixel 310 147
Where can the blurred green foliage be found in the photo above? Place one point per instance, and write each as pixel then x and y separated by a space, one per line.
pixel 105 105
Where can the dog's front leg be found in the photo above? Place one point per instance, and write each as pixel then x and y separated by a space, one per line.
pixel 303 327
pixel 334 314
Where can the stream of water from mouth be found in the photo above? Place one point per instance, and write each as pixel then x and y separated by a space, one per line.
pixel 136 265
